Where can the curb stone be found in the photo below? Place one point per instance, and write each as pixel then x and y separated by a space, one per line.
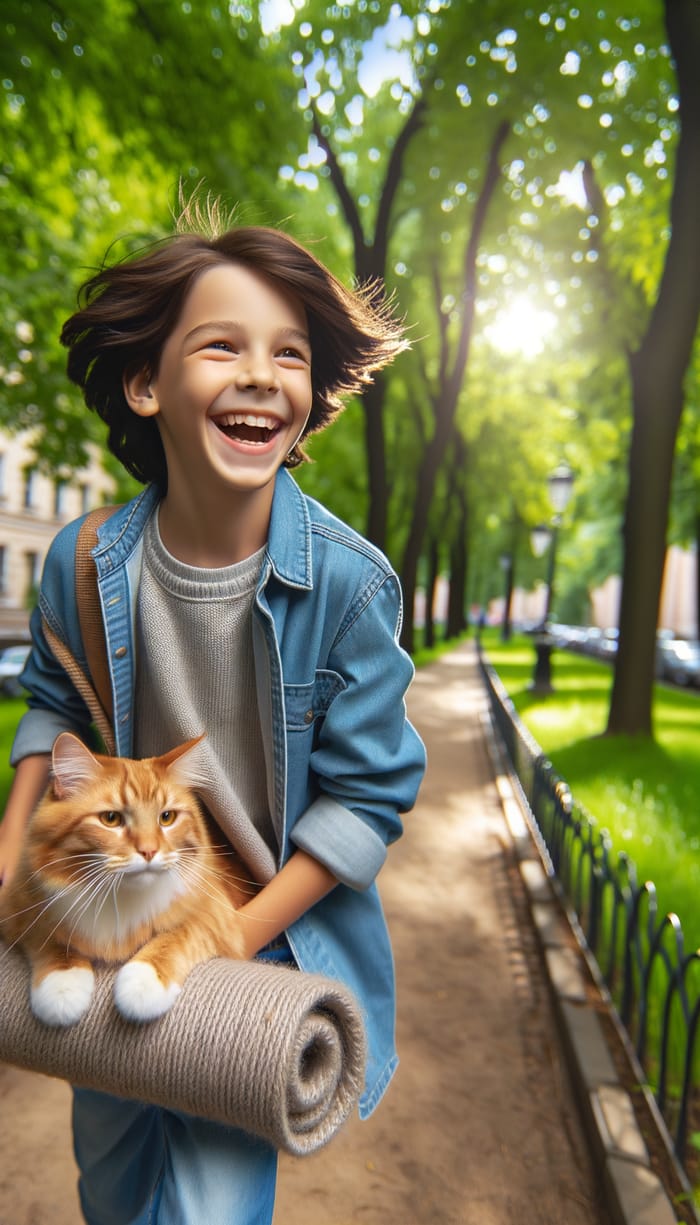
pixel 634 1193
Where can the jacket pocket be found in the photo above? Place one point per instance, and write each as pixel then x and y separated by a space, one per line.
pixel 305 705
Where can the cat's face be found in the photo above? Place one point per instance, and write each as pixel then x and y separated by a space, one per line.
pixel 118 822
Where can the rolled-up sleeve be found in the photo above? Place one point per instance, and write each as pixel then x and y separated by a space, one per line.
pixel 369 760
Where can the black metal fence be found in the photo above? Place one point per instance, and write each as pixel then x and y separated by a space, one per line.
pixel 652 979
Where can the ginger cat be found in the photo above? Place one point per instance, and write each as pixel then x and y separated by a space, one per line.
pixel 119 866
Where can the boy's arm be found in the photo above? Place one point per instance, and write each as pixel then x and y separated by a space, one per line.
pixel 29 784
pixel 301 883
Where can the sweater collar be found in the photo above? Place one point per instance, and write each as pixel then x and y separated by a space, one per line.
pixel 288 545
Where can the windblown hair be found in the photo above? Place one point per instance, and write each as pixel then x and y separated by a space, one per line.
pixel 128 311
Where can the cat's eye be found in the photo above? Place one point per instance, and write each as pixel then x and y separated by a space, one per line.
pixel 111 819
pixel 169 817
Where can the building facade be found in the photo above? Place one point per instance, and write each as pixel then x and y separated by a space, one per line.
pixel 33 508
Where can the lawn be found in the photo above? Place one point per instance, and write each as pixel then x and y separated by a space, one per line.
pixel 11 711
pixel 645 793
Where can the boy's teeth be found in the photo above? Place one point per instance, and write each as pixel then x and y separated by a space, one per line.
pixel 246 419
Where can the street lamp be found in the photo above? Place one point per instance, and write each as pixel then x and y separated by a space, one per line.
pixel 560 485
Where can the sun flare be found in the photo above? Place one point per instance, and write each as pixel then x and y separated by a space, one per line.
pixel 520 328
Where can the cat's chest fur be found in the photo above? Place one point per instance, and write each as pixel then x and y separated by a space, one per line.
pixel 109 925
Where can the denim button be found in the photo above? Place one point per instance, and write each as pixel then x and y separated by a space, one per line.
pixel 309 716
pixel 120 652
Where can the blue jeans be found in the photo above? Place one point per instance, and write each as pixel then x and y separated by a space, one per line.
pixel 141 1165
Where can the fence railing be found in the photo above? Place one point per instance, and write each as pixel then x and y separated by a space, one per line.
pixel 653 980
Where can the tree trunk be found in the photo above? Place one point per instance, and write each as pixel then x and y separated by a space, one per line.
pixel 370 265
pixel 456 619
pixel 375 446
pixel 657 373
pixel 697 576
pixel 446 397
pixel 430 589
pixel 644 534
pixel 507 628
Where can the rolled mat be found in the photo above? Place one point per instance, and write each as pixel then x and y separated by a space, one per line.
pixel 269 1049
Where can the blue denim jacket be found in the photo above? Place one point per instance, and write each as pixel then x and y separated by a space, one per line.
pixel 342 759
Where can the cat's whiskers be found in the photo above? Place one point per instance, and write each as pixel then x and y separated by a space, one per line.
pixel 98 886
pixel 112 888
pixel 195 852
pixel 91 886
pixel 45 903
pixel 195 874
pixel 87 856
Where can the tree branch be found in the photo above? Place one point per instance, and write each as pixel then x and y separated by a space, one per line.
pixel 443 323
pixel 674 317
pixel 347 203
pixel 493 170
pixel 391 182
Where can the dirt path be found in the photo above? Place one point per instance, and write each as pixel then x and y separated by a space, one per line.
pixel 479 1127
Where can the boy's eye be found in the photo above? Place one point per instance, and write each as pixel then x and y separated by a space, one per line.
pixel 295 354
pixel 223 346
pixel 111 819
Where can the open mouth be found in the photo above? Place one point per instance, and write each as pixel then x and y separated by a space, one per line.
pixel 248 428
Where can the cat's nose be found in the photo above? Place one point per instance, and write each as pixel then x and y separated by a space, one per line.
pixel 148 855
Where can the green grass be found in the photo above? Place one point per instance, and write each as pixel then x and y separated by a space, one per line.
pixel 646 793
pixel 11 711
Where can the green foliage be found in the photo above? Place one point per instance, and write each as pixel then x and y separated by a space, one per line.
pixel 93 154
pixel 11 711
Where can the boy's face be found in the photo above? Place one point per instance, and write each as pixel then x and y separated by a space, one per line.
pixel 233 389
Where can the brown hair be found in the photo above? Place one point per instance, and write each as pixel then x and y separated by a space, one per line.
pixel 128 310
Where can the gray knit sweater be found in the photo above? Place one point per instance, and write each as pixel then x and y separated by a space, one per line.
pixel 194 673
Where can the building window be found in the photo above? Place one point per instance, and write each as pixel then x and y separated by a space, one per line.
pixel 30 484
pixel 60 490
pixel 31 562
pixel 3 569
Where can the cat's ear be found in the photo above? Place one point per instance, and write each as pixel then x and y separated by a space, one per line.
pixel 73 765
pixel 175 758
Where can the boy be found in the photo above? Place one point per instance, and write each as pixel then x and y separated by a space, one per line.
pixel 233 604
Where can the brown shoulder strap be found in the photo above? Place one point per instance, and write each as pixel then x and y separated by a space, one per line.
pixel 89 610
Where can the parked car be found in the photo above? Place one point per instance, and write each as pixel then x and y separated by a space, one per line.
pixel 679 661
pixel 12 661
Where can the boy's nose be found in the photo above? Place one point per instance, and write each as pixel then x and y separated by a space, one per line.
pixel 256 372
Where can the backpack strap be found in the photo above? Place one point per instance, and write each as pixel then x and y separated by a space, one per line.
pixel 89 608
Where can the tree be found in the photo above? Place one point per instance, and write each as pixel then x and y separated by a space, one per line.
pixel 448 385
pixel 370 259
pixel 657 372
pixel 394 107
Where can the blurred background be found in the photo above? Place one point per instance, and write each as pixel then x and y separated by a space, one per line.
pixel 513 173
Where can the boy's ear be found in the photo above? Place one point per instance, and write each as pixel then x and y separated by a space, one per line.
pixel 139 394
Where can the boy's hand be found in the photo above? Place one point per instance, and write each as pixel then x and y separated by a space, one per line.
pixel 29 784
pixel 10 850
pixel 301 883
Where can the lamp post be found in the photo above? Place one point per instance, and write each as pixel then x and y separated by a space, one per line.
pixel 560 487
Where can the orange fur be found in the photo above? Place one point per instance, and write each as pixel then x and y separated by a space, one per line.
pixel 105 876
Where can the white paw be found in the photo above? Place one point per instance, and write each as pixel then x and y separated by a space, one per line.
pixel 63 997
pixel 140 995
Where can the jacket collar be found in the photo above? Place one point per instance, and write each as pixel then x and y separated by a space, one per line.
pixel 289 540
pixel 288 545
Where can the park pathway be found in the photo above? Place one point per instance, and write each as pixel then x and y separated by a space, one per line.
pixel 480 1126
